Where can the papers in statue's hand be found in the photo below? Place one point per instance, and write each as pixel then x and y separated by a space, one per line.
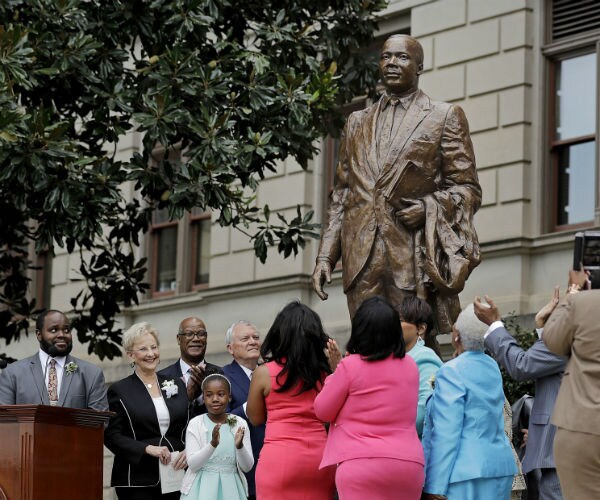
pixel 170 479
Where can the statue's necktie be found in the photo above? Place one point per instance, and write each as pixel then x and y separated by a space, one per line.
pixel 52 383
pixel 387 129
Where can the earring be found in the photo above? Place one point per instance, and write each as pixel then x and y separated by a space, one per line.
pixel 420 340
pixel 132 364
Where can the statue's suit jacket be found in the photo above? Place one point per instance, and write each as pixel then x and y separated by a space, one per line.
pixel 174 371
pixel 240 385
pixel 463 436
pixel 573 330
pixel 546 368
pixel 430 159
pixel 22 382
pixel 135 426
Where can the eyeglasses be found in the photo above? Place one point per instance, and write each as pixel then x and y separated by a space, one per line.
pixel 190 335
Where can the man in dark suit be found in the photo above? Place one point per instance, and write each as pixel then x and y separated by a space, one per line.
pixel 401 212
pixel 573 330
pixel 52 376
pixel 546 369
pixel 192 338
pixel 243 342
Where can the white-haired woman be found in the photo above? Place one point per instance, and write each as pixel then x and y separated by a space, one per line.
pixel 467 453
pixel 151 415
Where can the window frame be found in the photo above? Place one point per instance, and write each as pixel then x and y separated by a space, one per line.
pixel 194 224
pixel 155 230
pixel 554 53
pixel 186 254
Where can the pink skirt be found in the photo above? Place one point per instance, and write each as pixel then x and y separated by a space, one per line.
pixel 379 479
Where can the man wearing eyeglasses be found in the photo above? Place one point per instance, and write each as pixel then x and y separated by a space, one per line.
pixel 192 338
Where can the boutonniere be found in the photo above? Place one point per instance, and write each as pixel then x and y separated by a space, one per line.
pixel 432 382
pixel 71 367
pixel 231 420
pixel 170 388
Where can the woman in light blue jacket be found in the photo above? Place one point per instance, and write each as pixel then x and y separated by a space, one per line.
pixel 416 319
pixel 467 453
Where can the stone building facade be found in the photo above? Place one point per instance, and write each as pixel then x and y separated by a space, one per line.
pixel 526 74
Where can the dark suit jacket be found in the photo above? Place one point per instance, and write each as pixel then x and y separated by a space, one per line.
pixel 240 384
pixel 135 425
pixel 430 159
pixel 539 364
pixel 174 371
pixel 22 382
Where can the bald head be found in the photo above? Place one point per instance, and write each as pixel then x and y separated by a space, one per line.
pixel 192 338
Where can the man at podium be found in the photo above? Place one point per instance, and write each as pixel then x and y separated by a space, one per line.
pixel 52 376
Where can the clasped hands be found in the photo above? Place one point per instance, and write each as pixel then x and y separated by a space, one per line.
pixel 164 455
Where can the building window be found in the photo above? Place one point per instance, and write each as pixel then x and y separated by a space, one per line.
pixel 179 252
pixel 574 142
pixel 164 253
pixel 573 54
pixel 200 247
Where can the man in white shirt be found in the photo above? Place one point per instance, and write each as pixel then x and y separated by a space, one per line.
pixel 192 338
pixel 52 376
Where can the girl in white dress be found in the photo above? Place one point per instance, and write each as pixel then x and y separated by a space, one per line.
pixel 218 448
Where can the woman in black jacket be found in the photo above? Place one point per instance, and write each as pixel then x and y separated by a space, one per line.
pixel 151 416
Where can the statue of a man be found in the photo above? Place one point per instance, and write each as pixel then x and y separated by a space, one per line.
pixel 401 214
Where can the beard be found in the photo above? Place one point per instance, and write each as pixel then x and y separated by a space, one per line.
pixel 53 351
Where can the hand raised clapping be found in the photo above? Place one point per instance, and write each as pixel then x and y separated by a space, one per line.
pixel 214 442
pixel 334 356
pixel 239 436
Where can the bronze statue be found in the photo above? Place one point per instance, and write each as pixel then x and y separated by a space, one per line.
pixel 401 214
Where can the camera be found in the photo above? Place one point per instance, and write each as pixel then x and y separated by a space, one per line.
pixel 587 253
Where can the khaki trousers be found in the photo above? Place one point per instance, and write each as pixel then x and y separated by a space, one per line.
pixel 577 458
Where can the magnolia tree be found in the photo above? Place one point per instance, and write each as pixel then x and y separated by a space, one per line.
pixel 224 89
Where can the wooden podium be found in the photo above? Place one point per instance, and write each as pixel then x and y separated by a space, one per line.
pixel 51 453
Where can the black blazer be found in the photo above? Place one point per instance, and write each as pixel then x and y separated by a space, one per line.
pixel 240 384
pixel 135 425
pixel 174 371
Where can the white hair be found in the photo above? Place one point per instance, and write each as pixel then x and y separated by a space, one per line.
pixel 136 331
pixel 471 329
pixel 231 329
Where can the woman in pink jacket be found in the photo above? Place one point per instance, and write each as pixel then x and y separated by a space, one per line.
pixel 371 402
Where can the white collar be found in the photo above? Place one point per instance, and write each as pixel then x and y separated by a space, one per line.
pixel 247 370
pixel 45 360
pixel 185 367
